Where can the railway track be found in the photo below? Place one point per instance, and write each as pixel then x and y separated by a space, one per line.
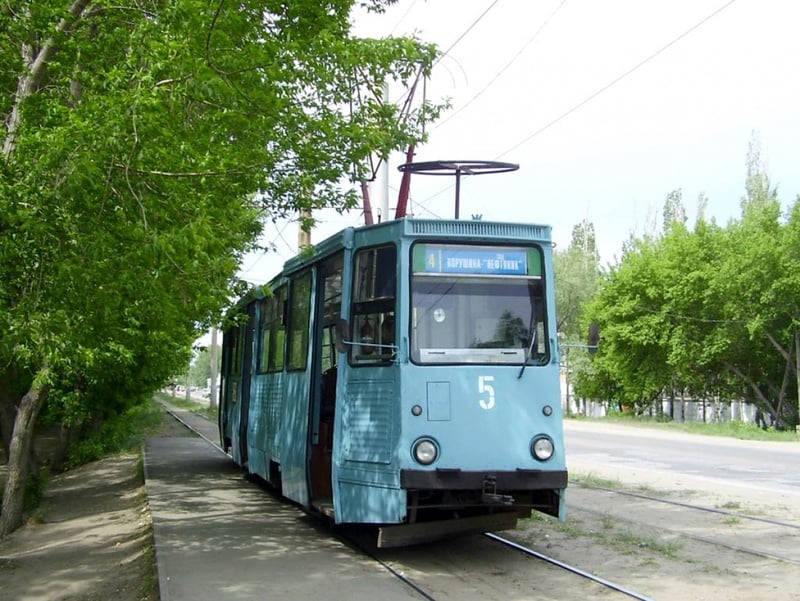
pixel 711 547
pixel 425 585
pixel 574 570
pixel 716 510
pixel 763 546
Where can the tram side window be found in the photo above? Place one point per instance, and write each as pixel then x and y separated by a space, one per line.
pixel 265 307
pixel 238 353
pixel 277 331
pixel 331 307
pixel 374 303
pixel 233 351
pixel 299 313
pixel 271 334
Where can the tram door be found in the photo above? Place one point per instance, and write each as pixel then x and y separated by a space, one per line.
pixel 366 488
pixel 324 369
pixel 229 384
pixel 240 396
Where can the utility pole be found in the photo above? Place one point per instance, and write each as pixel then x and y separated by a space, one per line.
pixel 303 237
pixel 797 373
pixel 214 371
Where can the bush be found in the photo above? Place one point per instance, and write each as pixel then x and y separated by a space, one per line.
pixel 120 434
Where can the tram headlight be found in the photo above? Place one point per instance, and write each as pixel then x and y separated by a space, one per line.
pixel 542 447
pixel 425 451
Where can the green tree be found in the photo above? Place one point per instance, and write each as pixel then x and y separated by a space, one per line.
pixel 577 274
pixel 143 142
pixel 674 211
pixel 709 312
pixel 761 308
pixel 634 328
pixel 200 368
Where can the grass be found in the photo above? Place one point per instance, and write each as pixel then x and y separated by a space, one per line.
pixel 201 409
pixel 148 588
pixel 611 535
pixel 591 480
pixel 734 429
pixel 627 540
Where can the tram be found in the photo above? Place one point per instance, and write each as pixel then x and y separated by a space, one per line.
pixel 404 375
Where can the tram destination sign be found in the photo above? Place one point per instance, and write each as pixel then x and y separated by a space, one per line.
pixel 475 260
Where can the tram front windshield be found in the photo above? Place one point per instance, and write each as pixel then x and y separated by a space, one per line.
pixel 477 319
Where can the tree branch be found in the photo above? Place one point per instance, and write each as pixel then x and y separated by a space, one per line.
pixel 30 82
pixel 184 173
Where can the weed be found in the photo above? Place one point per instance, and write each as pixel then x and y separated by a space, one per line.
pixel 149 581
pixel 610 535
pixel 593 480
pixel 34 489
pixel 652 543
pixel 122 434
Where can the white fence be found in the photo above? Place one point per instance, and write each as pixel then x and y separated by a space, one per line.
pixel 708 411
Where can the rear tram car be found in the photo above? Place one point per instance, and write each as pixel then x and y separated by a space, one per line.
pixel 404 375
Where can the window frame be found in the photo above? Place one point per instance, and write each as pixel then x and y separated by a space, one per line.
pixel 299 322
pixel 373 303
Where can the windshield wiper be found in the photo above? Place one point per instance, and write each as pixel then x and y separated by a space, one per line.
pixel 529 352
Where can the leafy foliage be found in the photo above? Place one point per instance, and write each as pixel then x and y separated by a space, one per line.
pixel 144 141
pixel 122 433
pixel 711 312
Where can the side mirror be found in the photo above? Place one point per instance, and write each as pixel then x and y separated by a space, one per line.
pixel 341 335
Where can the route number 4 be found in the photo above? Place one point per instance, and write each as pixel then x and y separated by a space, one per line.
pixel 484 388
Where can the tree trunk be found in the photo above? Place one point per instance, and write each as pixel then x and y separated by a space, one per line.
pixel 36 61
pixel 13 385
pixel 7 414
pixel 19 454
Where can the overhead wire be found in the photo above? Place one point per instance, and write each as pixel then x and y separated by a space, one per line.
pixel 273 245
pixel 615 81
pixel 464 33
pixel 504 68
pixel 597 93
pixel 446 53
pixel 404 15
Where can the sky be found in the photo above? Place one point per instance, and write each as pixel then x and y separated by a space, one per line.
pixel 606 106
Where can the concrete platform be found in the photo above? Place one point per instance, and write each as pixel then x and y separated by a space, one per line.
pixel 220 536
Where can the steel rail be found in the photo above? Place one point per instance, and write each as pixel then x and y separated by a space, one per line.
pixel 718 543
pixel 196 431
pixel 567 567
pixel 734 514
pixel 414 586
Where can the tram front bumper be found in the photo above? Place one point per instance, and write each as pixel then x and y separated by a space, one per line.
pixel 457 479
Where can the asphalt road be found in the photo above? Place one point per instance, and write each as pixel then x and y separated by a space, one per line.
pixel 636 454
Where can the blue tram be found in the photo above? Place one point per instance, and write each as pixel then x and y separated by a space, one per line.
pixel 405 375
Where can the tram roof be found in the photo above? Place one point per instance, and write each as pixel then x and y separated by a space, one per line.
pixel 405 226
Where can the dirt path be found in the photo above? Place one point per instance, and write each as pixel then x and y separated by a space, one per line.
pixel 91 540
